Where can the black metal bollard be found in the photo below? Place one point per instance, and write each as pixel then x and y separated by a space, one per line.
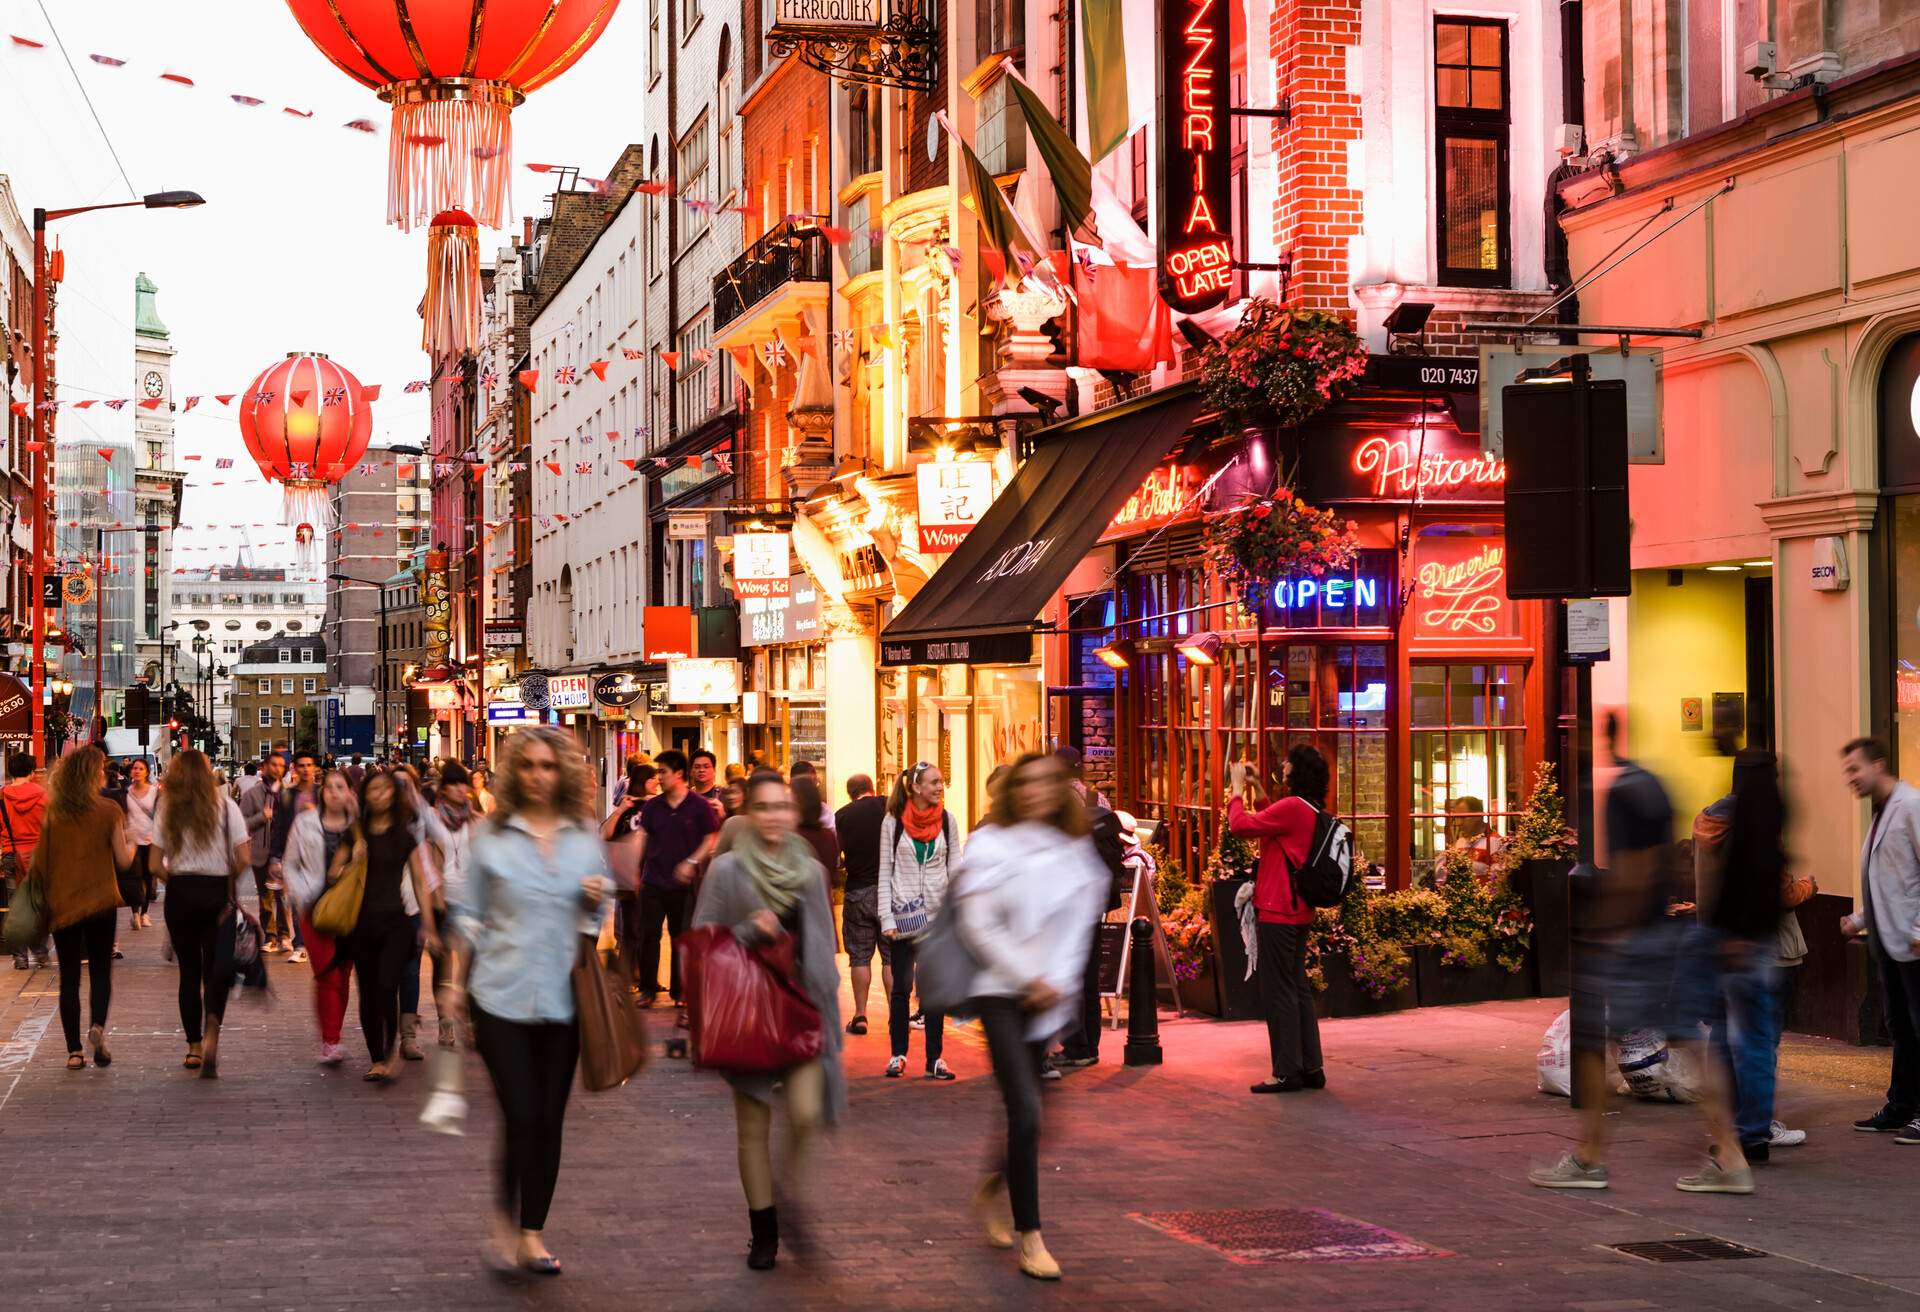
pixel 1143 1005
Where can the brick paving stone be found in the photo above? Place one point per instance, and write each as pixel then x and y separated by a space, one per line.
pixel 283 1185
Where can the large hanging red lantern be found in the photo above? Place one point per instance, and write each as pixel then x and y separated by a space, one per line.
pixel 306 422
pixel 453 70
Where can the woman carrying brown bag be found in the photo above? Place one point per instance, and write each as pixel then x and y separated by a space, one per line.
pixel 83 848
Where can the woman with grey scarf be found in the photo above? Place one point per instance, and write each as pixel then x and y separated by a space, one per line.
pixel 768 884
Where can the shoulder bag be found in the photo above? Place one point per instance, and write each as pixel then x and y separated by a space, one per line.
pixel 337 910
pixel 613 1033
pixel 747 1013
pixel 944 967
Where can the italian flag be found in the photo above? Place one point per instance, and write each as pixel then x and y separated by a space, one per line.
pixel 1117 40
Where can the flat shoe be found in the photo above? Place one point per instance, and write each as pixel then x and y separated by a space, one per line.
pixel 76 1062
pixel 192 1062
pixel 858 1025
pixel 541 1266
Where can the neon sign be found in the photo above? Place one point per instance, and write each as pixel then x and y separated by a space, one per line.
pixel 1463 598
pixel 1398 468
pixel 1333 593
pixel 1196 202
pixel 1157 500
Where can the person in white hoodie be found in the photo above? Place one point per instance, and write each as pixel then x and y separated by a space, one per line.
pixel 920 843
pixel 1029 885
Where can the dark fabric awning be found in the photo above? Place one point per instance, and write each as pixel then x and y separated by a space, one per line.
pixel 980 606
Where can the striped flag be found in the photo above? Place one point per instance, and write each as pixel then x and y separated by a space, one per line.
pixel 1119 89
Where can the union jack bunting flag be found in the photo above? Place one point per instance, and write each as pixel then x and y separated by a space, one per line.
pixel 586 439
pixel 300 469
pixel 583 467
pixel 632 354
pixel 333 396
pixel 842 339
pixel 192 401
pixel 725 461
pixel 364 467
pixel 643 432
pixel 487 380
pixel 418 386
pixel 111 405
pixel 263 398
pixel 566 373
pixel 224 462
pixel 703 354
pixel 775 351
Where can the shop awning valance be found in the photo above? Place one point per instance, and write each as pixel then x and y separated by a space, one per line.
pixel 980 607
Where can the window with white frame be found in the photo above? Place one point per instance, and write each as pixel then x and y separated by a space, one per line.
pixel 723 110
pixel 653 41
pixel 312 685
pixel 286 686
pixel 690 13
pixel 286 717
pixel 266 717
pixel 695 381
pixel 266 687
pixel 286 655
pixel 690 177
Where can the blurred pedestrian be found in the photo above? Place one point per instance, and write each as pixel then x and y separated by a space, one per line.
pixel 858 826
pixel 199 840
pixel 1631 972
pixel 1739 883
pixel 318 833
pixel 481 788
pixel 141 799
pixel 676 837
pixel 920 845
pixel 23 810
pixel 448 827
pixel 1026 888
pixel 1889 917
pixel 82 849
pixel 770 884
pixel 814 825
pixel 258 804
pixel 534 885
pixel 298 792
pixel 381 943
pixel 733 799
pixel 1284 829
pixel 1080 1045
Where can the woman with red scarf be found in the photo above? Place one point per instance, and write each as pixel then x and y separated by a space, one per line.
pixel 919 845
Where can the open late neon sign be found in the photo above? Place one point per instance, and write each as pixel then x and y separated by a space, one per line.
pixel 1196 202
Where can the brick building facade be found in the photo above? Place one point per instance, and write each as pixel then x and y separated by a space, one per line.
pixel 272 682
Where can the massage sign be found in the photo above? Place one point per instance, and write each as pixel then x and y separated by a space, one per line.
pixel 1196 202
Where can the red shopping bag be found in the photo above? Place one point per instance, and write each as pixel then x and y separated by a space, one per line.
pixel 746 1011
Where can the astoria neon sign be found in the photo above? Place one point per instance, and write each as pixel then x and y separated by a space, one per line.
pixel 1196 202
pixel 1398 468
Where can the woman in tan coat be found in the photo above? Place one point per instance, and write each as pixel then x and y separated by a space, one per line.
pixel 82 850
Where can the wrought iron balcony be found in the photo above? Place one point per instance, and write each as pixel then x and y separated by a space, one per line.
pixel 790 253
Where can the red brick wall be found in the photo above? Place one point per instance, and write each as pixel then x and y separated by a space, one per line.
pixel 1315 211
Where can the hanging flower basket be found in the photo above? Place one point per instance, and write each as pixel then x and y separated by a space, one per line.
pixel 1279 537
pixel 1280 368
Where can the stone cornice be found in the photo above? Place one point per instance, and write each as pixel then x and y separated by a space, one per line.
pixel 1820 513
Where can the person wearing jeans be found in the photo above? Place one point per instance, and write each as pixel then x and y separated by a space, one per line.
pixel 919 845
pixel 1285 831
pixel 82 849
pixel 1889 918
pixel 676 834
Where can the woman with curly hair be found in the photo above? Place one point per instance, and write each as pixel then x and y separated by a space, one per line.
pixel 536 881
pixel 201 843
pixel 83 848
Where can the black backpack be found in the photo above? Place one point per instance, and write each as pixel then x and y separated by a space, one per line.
pixel 1322 881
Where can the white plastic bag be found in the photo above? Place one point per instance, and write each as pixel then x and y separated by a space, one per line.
pixel 1656 1072
pixel 1555 1059
pixel 446 1109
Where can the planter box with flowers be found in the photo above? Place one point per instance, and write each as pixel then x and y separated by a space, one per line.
pixel 1535 863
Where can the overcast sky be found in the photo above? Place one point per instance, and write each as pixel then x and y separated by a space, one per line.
pixel 291 252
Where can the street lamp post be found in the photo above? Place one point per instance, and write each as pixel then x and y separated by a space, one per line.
pixel 380 724
pixel 42 457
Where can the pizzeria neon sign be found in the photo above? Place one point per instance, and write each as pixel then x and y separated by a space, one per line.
pixel 1196 202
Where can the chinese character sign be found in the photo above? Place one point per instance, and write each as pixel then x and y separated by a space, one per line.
pixel 760 567
pixel 953 497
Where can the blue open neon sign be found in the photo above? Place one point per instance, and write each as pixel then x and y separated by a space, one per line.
pixel 1333 593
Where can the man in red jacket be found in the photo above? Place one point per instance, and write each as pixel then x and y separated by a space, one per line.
pixel 23 805
pixel 1285 830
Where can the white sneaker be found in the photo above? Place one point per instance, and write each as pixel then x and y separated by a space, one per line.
pixel 332 1054
pixel 1781 1137
pixel 298 954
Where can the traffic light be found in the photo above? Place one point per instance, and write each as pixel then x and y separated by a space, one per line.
pixel 173 725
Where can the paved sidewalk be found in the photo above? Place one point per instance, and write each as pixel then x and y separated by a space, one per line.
pixel 285 1186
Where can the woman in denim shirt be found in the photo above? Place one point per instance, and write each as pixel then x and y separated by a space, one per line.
pixel 536 880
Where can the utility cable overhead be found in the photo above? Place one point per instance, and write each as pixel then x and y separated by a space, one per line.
pixel 132 191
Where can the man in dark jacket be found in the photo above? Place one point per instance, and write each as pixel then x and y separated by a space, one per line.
pixel 1081 1046
pixel 858 825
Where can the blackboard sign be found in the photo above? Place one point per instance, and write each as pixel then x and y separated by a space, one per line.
pixel 1113 934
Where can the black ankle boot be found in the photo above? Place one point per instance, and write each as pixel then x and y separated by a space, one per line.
pixel 766 1237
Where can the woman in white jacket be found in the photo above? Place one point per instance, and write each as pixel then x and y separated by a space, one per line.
pixel 920 843
pixel 316 834
pixel 1029 886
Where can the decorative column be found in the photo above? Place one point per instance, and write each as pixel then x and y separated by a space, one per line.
pixel 853 654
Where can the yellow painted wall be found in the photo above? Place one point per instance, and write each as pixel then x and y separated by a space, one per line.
pixel 1686 641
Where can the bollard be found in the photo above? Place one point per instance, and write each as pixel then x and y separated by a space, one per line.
pixel 1143 1005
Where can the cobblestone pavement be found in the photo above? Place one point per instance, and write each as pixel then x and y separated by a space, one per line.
pixel 283 1185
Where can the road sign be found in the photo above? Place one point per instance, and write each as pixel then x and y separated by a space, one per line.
pixel 1502 365
pixel 50 590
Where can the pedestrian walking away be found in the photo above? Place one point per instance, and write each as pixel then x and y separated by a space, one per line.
pixel 1889 918
pixel 317 836
pixel 767 885
pixel 23 809
pixel 447 830
pixel 142 801
pixel 676 837
pixel 83 848
pixel 1282 919
pixel 858 826
pixel 299 792
pixel 535 884
pixel 1026 888
pixel 200 841
pixel 259 804
pixel 1080 1046
pixel 381 943
pixel 920 844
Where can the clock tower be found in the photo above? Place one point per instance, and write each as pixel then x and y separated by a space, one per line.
pixel 158 488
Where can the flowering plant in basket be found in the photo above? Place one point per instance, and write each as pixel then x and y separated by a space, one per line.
pixel 1280 367
pixel 1275 538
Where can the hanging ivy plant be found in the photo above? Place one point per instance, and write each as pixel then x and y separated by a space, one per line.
pixel 1280 367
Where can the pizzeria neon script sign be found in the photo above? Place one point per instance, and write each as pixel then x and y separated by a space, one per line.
pixel 1196 200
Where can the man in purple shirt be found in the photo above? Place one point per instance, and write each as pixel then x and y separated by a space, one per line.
pixel 677 832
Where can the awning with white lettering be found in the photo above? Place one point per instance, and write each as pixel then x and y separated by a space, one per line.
pixel 980 607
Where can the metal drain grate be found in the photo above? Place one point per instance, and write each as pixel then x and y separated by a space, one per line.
pixel 1686 1250
pixel 1269 1235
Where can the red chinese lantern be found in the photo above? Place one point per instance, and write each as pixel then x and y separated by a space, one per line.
pixel 306 422
pixel 453 70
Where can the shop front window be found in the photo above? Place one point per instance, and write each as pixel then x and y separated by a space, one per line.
pixel 1468 749
pixel 1006 706
pixel 1904 570
pixel 1333 697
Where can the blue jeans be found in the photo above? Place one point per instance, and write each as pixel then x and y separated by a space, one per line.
pixel 1746 1036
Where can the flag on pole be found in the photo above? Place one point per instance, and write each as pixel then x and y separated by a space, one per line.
pixel 997 221
pixel 1071 171
pixel 1117 39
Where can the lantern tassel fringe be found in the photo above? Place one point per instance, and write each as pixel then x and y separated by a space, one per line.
pixel 450 155
pixel 308 507
pixel 450 318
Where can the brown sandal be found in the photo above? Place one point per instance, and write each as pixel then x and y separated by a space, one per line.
pixel 192 1062
pixel 76 1061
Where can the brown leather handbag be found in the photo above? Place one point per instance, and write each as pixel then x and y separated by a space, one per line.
pixel 613 1032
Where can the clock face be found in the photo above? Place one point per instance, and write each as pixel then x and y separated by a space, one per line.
pixel 156 385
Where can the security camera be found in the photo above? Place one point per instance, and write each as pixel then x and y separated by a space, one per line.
pixel 1568 140
pixel 1761 59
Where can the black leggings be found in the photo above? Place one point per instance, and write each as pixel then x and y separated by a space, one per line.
pixel 1016 1069
pixel 139 880
pixel 91 938
pixel 1293 1031
pixel 380 952
pixel 532 1069
pixel 194 909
